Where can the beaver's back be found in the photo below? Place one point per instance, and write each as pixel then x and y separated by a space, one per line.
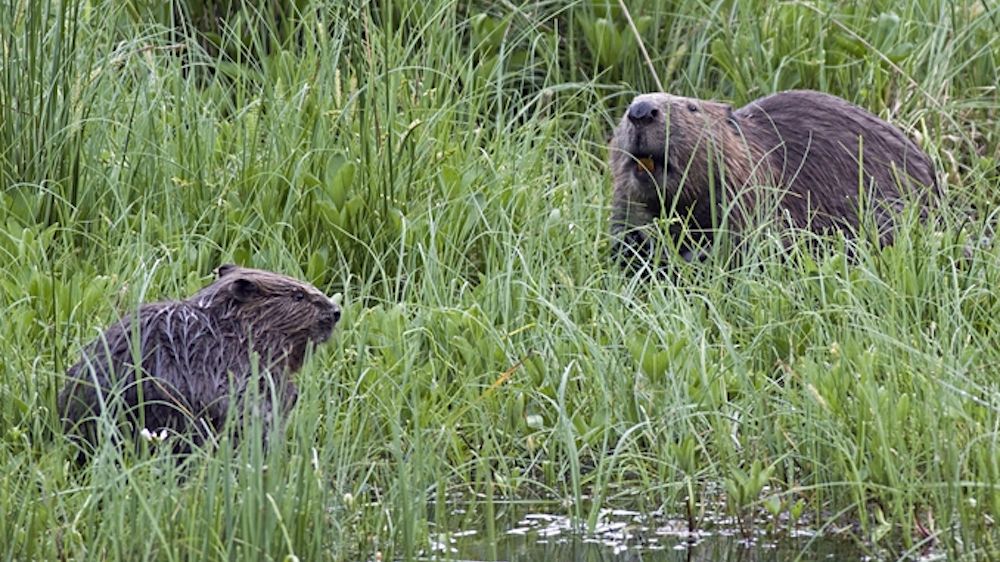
pixel 816 144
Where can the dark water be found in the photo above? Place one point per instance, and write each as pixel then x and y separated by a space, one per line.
pixel 624 536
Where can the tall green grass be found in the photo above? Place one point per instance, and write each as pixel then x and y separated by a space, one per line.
pixel 441 165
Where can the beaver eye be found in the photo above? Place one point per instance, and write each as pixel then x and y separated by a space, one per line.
pixel 299 295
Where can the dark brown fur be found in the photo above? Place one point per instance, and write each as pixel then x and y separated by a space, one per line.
pixel 791 157
pixel 196 357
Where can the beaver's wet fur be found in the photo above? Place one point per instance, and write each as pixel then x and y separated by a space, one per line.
pixel 793 157
pixel 197 358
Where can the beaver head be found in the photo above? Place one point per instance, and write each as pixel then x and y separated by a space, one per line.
pixel 278 314
pixel 662 142
pixel 671 153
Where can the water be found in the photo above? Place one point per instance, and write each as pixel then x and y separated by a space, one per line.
pixel 627 536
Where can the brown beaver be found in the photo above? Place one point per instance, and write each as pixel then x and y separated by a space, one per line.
pixel 197 357
pixel 793 157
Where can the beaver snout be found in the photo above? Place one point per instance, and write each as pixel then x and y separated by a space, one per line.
pixel 642 112
pixel 330 318
pixel 327 321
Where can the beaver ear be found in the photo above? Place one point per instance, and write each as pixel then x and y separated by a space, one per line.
pixel 244 289
pixel 225 269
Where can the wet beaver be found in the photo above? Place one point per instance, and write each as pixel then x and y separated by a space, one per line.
pixel 197 357
pixel 792 157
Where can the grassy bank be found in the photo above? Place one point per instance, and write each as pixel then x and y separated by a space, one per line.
pixel 442 166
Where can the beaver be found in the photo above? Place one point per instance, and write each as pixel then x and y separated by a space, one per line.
pixel 793 157
pixel 197 358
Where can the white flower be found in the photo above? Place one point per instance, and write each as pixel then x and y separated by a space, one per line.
pixel 152 437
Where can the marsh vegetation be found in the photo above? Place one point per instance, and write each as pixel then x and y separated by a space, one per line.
pixel 442 166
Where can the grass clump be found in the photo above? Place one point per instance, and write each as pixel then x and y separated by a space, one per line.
pixel 441 165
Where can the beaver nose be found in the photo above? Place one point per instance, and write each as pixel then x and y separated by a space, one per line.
pixel 642 112
pixel 336 314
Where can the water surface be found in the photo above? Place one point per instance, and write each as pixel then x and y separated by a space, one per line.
pixel 627 536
